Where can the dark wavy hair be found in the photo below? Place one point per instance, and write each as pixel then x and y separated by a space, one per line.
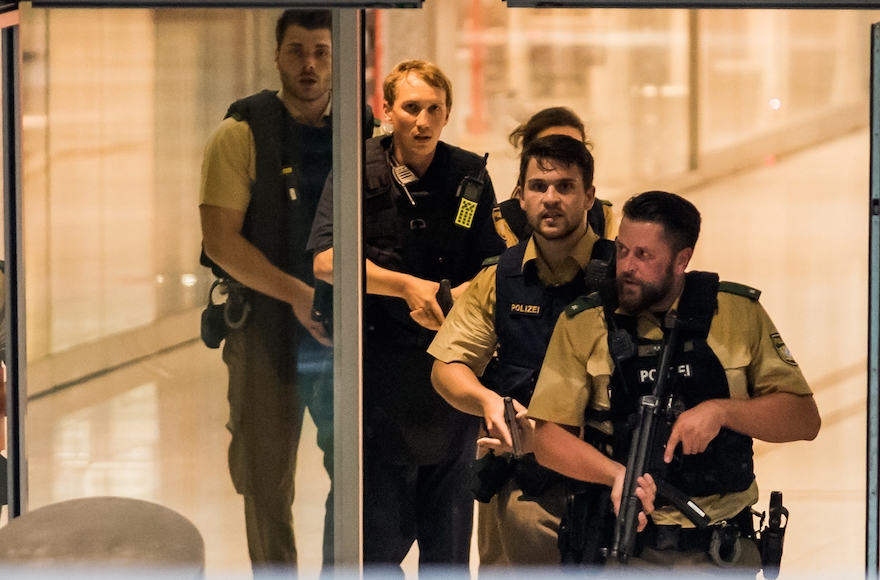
pixel 542 120
pixel 559 149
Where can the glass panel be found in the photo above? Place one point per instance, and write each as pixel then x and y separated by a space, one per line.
pixel 777 130
pixel 120 106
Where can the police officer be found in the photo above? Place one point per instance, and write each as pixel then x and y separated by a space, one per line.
pixel 511 221
pixel 257 203
pixel 427 217
pixel 734 377
pixel 512 305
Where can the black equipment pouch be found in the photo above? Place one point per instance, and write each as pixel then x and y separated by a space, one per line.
pixel 219 315
pixel 587 526
pixel 772 536
pixel 489 475
pixel 214 327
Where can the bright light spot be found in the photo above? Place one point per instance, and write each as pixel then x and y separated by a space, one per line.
pixel 189 279
pixel 775 104
pixel 159 279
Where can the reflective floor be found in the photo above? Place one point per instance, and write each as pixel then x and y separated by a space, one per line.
pixel 796 228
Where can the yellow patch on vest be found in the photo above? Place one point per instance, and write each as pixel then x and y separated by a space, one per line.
pixel 466 211
pixel 782 350
pixel 526 308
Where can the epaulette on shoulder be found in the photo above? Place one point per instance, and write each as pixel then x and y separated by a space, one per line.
pixel 491 261
pixel 583 304
pixel 740 290
pixel 604 202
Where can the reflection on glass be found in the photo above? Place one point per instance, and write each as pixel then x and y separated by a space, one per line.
pixel 110 448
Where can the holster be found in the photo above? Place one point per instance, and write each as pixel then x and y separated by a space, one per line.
pixel 489 474
pixel 587 527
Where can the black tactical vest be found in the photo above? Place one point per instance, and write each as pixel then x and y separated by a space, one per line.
pixel 525 315
pixel 422 240
pixel 726 465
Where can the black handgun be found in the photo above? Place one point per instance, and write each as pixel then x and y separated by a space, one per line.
pixel 444 296
pixel 513 427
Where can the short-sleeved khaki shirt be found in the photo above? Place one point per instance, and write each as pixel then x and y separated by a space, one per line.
pixel 577 371
pixel 468 334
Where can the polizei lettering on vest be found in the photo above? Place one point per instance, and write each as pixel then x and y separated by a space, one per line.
pixel 647 375
pixel 526 308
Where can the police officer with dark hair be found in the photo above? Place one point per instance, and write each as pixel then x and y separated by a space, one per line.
pixel 734 379
pixel 512 306
pixel 427 217
pixel 263 173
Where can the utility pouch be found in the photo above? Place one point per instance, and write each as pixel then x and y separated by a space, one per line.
pixel 532 477
pixel 489 475
pixel 587 526
pixel 214 327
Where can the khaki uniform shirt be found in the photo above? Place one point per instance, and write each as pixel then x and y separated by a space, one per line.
pixel 577 371
pixel 468 334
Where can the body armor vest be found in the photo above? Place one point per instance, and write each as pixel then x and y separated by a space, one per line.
pixel 424 239
pixel 697 375
pixel 525 315
pixel 292 162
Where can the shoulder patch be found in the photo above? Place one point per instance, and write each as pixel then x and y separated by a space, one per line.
pixel 583 304
pixel 782 350
pixel 490 261
pixel 237 116
pixel 740 290
pixel 604 202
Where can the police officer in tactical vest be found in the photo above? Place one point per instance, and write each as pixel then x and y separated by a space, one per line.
pixel 427 217
pixel 512 306
pixel 262 177
pixel 731 379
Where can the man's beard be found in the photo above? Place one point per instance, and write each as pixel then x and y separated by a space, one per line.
pixel 648 295
pixel 568 228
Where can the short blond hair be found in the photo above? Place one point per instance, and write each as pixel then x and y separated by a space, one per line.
pixel 423 69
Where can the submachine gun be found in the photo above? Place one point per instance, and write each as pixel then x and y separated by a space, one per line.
pixel 656 417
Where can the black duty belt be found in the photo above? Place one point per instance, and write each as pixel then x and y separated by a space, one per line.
pixel 674 537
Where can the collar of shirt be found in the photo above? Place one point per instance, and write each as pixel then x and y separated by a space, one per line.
pixel 650 325
pixel 297 114
pixel 572 266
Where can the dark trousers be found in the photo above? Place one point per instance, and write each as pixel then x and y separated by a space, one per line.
pixel 429 504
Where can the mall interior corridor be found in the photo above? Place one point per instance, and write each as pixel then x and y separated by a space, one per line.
pixel 796 228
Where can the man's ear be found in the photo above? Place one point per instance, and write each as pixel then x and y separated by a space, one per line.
pixel 386 108
pixel 591 197
pixel 682 259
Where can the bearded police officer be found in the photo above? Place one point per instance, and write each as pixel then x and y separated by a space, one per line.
pixel 427 217
pixel 734 380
